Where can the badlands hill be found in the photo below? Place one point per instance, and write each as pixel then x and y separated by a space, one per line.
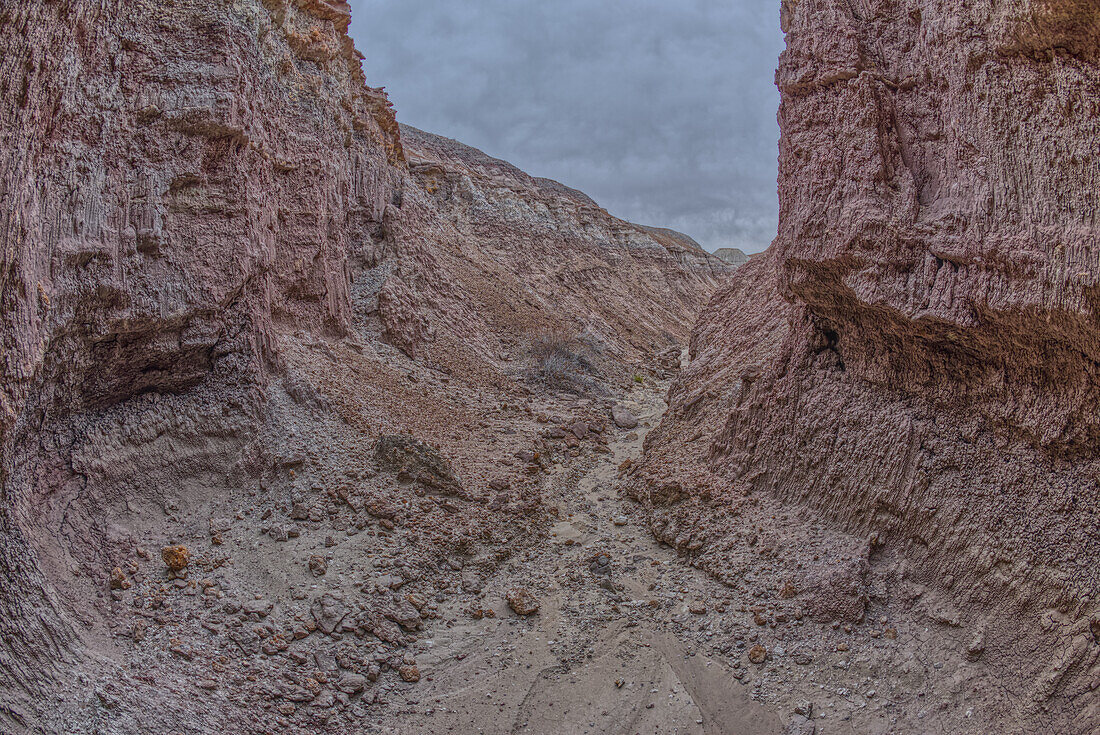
pixel 733 256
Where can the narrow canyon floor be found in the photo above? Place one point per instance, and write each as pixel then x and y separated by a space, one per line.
pixel 344 612
pixel 614 647
pixel 630 639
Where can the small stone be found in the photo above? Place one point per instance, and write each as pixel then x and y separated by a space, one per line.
pixel 328 610
pixel 118 580
pixel 297 694
pixel 522 601
pixel 176 558
pixel 757 654
pixel 619 520
pixel 842 647
pixel 697 608
pixel 402 612
pixel 800 725
pixel 409 672
pixel 976 647
pixel 208 684
pixel 389 581
pixel 220 525
pixel 274 645
pixel 351 683
pixel 318 566
pixel 623 419
pixel 260 608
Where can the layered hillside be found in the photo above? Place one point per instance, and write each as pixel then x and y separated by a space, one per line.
pixel 547 260
pixel 236 320
pixel 898 402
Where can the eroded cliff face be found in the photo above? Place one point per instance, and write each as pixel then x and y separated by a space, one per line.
pixel 913 364
pixel 178 180
pixel 221 284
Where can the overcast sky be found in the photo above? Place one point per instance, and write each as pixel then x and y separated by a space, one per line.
pixel 663 112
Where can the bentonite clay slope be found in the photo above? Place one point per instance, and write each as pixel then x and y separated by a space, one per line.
pixel 227 305
pixel 915 359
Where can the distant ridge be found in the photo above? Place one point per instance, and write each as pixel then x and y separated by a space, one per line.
pixel 733 256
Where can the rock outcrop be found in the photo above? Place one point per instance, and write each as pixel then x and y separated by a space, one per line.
pixel 913 363
pixel 222 282
pixel 174 191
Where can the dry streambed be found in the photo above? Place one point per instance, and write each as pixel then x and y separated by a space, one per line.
pixel 615 644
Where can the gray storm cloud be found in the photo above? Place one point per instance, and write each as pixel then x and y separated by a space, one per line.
pixel 663 112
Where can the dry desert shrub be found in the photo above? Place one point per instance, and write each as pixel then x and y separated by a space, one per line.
pixel 563 362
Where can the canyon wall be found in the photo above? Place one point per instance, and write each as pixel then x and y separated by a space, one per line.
pixel 221 283
pixel 177 181
pixel 914 362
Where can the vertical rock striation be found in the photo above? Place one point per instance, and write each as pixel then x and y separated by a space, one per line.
pixel 916 357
